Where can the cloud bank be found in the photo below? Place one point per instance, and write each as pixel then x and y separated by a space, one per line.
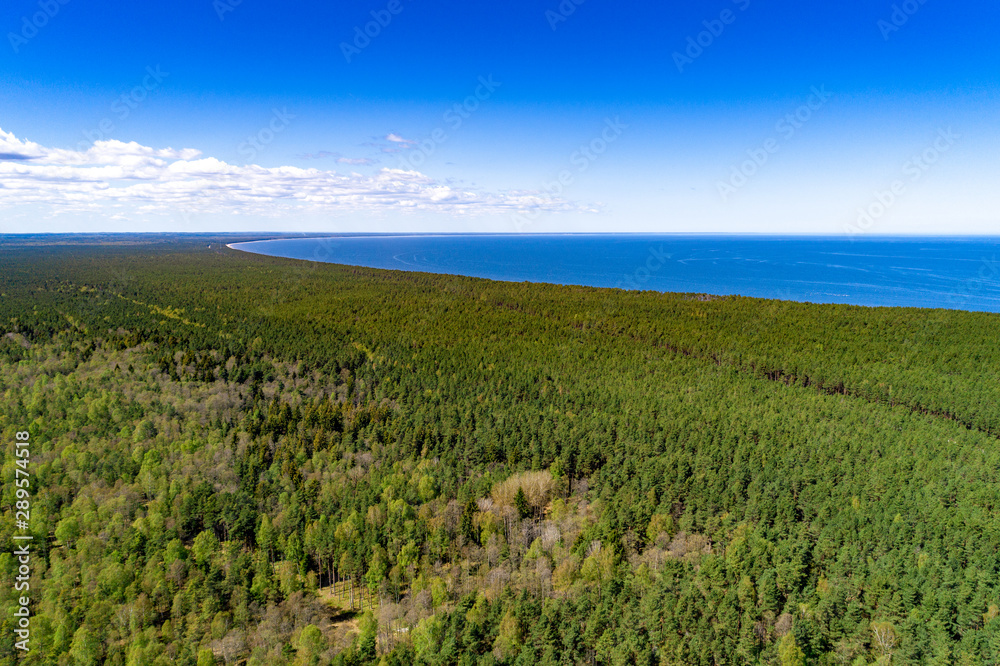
pixel 112 176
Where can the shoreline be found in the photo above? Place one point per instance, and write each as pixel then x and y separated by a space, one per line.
pixel 818 271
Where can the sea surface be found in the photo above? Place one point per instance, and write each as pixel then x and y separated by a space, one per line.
pixel 939 272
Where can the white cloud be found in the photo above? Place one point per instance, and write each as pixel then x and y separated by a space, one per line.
pixel 323 154
pixel 358 161
pixel 395 138
pixel 112 175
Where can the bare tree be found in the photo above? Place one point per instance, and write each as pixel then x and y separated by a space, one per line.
pixel 885 637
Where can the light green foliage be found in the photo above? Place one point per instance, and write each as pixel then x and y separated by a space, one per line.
pixel 427 636
pixel 368 628
pixel 204 547
pixel 427 488
pixel 509 637
pixel 789 653
pixel 68 529
pixel 312 644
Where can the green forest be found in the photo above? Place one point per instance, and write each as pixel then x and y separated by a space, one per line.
pixel 239 459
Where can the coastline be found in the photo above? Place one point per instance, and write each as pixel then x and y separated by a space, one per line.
pixel 958 273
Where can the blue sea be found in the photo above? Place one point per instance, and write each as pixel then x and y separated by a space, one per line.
pixel 956 273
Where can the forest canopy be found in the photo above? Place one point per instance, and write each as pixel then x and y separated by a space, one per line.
pixel 244 459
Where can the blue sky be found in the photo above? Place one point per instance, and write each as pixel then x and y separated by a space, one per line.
pixel 733 115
